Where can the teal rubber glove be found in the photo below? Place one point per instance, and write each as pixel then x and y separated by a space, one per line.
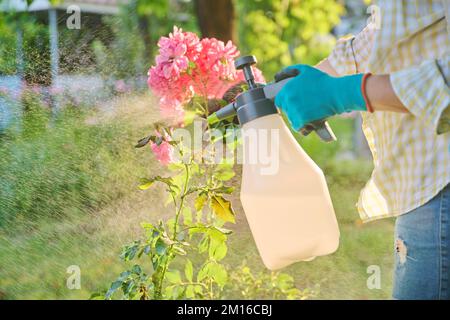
pixel 314 95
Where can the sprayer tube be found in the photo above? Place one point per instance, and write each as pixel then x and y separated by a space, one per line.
pixel 226 112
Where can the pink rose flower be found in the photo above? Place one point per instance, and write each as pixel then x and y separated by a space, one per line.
pixel 187 66
pixel 164 151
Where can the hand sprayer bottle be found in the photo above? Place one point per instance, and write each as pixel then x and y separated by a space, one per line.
pixel 288 205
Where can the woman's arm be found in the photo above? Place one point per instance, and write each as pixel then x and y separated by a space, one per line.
pixel 381 95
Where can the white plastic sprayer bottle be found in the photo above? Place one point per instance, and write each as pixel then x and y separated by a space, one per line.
pixel 285 196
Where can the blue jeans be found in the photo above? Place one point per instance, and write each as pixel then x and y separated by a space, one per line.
pixel 422 251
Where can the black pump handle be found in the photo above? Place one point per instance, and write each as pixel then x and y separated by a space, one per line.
pixel 321 127
pixel 245 64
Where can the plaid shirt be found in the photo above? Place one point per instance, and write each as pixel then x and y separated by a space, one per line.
pixel 411 151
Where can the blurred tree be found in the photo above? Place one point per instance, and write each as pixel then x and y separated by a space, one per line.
pixel 150 12
pixel 7 45
pixel 35 46
pixel 157 17
pixel 216 18
pixel 36 52
pixel 123 57
pixel 284 32
pixel 134 33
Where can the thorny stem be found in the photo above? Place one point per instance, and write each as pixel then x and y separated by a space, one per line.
pixel 175 234
pixel 158 292
pixel 183 196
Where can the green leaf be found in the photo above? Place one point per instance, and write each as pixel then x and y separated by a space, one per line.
pixel 198 289
pixel 170 182
pixel 143 142
pixel 147 249
pixel 114 286
pixel 195 168
pixel 168 292
pixel 97 296
pixel 293 294
pixel 173 276
pixel 179 180
pixel 189 271
pixel 203 245
pixel 171 224
pixel 168 200
pixel 136 269
pixel 199 216
pixel 156 261
pixel 224 175
pixel 224 231
pixel 175 167
pixel 128 288
pixel 226 190
pixel 189 117
pixel 285 281
pixel 222 208
pixel 216 235
pixel 158 141
pixel 190 293
pixel 160 247
pixel 200 201
pixel 181 236
pixel 203 273
pixel 178 293
pixel 192 65
pixel 217 250
pixel 147 226
pixel 146 183
pixel 129 252
pixel 218 273
pixel 179 250
pixel 199 228
pixel 224 172
pixel 173 143
pixel 124 275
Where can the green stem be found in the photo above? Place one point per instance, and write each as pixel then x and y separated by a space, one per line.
pixel 183 196
pixel 163 273
pixel 211 290
pixel 175 234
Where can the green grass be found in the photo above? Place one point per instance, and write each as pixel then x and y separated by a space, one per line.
pixel 59 167
pixel 72 200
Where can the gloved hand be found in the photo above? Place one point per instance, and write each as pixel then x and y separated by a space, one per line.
pixel 314 95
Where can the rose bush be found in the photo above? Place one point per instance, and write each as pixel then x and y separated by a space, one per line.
pixel 192 75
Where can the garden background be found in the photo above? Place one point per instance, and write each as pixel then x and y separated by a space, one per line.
pixel 72 109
